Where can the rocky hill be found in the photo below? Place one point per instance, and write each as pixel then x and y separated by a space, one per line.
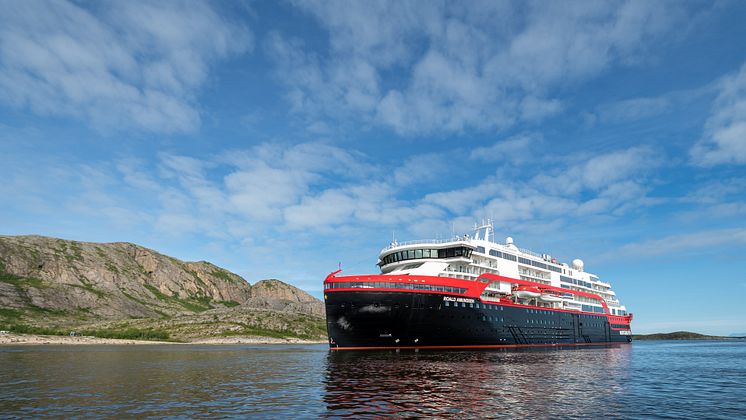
pixel 48 281
pixel 680 335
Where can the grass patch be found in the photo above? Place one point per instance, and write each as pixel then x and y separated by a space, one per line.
pixel 199 304
pixel 31 329
pixel 196 277
pixel 228 303
pixel 302 327
pixel 111 267
pixel 88 286
pixel 261 332
pixel 126 334
pixel 77 253
pixel 222 275
pixel 73 253
pixel 129 333
pixel 38 310
pixel 269 284
pixel 272 333
pixel 130 297
pixel 100 252
pixel 21 281
pixel 10 314
pixel 157 293
pixel 145 304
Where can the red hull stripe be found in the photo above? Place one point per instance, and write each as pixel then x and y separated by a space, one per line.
pixel 515 305
pixel 476 346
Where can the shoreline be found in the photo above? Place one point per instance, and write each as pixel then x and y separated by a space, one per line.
pixel 12 339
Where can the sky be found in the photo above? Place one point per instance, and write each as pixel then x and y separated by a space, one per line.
pixel 282 139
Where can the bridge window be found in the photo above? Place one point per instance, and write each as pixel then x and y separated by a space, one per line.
pixel 411 254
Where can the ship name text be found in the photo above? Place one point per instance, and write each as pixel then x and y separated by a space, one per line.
pixel 457 299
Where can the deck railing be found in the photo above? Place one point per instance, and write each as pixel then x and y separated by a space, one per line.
pixel 422 241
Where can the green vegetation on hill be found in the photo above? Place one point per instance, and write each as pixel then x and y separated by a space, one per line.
pixel 20 281
pixel 128 333
pixel 195 304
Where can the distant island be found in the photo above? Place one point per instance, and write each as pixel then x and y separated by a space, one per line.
pixel 51 286
pixel 682 335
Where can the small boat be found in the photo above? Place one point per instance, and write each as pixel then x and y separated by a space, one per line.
pixel 547 297
pixel 526 292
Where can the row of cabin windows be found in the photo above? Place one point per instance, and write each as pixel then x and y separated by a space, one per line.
pixel 618 312
pixel 576 281
pixel 413 254
pixel 472 305
pixel 503 255
pixel 392 285
pixel 541 321
pixel 590 308
pixel 510 257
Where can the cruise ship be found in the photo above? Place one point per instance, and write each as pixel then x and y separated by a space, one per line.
pixel 471 292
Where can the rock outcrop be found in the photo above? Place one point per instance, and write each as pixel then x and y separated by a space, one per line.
pixel 48 277
pixel 276 295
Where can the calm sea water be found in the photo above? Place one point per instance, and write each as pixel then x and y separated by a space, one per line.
pixel 642 380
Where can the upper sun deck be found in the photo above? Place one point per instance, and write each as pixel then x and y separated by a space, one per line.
pixel 483 242
pixel 437 243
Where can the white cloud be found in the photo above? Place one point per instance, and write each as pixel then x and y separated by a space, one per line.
pixel 516 149
pixel 457 68
pixel 600 171
pixel 724 139
pixel 113 64
pixel 676 244
pixel 423 168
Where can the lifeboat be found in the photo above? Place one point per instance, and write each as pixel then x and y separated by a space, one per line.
pixel 526 292
pixel 546 297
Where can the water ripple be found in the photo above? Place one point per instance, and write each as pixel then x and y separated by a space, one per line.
pixel 643 380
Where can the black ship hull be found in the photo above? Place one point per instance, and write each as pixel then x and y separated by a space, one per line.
pixel 372 319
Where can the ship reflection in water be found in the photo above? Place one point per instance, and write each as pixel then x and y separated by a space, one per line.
pixel 530 383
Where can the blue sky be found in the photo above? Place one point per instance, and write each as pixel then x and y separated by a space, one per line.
pixel 278 139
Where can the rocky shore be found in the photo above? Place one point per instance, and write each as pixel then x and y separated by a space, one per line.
pixel 10 339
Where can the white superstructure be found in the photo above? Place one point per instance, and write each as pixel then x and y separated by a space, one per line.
pixel 468 257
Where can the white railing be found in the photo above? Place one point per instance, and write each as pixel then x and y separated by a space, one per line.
pixel 422 241
pixel 532 253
